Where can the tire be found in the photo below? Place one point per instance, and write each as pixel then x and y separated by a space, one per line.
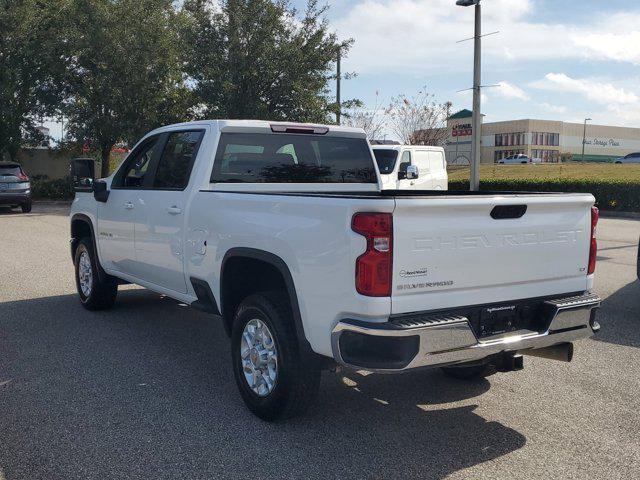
pixel 296 381
pixel 26 207
pixel 101 292
pixel 474 372
pixel 638 263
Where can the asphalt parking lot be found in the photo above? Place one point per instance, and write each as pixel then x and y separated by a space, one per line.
pixel 146 390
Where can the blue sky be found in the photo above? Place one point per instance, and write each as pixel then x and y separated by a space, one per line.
pixel 554 59
pixel 563 60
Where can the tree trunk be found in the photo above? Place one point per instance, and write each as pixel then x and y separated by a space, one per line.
pixel 105 157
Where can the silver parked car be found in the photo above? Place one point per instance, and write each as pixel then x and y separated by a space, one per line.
pixel 631 158
pixel 15 188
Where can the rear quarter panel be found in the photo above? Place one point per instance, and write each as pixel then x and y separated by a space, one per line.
pixel 311 234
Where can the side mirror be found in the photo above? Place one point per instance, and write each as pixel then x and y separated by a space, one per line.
pixel 100 191
pixel 82 172
pixel 412 172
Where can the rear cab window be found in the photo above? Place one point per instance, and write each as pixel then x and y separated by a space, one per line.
pixel 292 158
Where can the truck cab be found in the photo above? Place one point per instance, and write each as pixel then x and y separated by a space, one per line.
pixel 411 167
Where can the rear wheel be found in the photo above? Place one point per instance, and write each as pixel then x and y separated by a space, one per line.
pixel 638 263
pixel 473 372
pixel 26 207
pixel 273 377
pixel 95 293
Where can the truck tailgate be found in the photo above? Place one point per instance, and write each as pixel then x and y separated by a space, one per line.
pixel 450 251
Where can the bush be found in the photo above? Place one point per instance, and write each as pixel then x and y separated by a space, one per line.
pixel 44 189
pixel 610 194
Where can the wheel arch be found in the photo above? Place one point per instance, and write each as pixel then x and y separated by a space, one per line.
pixel 268 264
pixel 82 226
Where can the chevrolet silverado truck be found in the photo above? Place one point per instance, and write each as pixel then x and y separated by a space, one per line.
pixel 283 232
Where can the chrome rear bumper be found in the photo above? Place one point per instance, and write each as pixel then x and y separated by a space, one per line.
pixel 434 340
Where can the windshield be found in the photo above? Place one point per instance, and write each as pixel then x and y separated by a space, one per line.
pixel 292 158
pixel 386 160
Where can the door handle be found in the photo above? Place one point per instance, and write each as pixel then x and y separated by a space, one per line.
pixel 128 205
pixel 173 210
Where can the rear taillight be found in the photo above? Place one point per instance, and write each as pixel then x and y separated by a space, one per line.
pixel 593 250
pixel 374 266
pixel 23 177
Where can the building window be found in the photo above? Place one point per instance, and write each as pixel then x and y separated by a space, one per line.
pixel 510 139
pixel 545 138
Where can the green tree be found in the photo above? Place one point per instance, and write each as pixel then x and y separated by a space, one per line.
pixel 260 59
pixel 31 63
pixel 124 75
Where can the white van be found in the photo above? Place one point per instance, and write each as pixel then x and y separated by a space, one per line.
pixel 411 167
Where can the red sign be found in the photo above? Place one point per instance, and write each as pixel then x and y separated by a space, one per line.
pixel 462 130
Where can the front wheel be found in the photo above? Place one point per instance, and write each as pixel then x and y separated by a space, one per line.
pixel 272 375
pixel 95 293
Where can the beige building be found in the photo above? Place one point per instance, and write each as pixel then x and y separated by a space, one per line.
pixel 544 139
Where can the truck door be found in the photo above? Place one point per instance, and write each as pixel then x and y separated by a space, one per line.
pixel 116 217
pixel 160 212
pixel 425 177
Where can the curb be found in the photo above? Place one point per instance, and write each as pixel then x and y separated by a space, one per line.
pixel 52 202
pixel 614 214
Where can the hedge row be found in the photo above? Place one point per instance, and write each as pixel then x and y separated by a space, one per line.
pixel 610 194
pixel 43 188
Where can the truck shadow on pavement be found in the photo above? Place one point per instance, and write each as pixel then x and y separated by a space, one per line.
pixel 619 317
pixel 146 391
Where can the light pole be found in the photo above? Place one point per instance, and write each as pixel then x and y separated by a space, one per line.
pixel 584 136
pixel 474 180
pixel 338 82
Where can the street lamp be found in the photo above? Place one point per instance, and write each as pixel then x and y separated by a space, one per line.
pixel 584 136
pixel 474 179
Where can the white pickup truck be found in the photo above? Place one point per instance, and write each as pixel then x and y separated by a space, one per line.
pixel 284 232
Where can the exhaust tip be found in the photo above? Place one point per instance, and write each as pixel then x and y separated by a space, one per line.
pixel 563 352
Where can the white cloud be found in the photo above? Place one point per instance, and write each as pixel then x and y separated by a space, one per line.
pixel 613 39
pixel 602 93
pixel 555 109
pixel 610 103
pixel 510 91
pixel 420 36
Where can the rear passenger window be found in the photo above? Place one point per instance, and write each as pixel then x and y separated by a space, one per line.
pixel 292 158
pixel 176 162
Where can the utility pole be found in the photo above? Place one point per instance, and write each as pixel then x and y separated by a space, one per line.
pixel 338 80
pixel 474 183
pixel 584 136
pixel 474 179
